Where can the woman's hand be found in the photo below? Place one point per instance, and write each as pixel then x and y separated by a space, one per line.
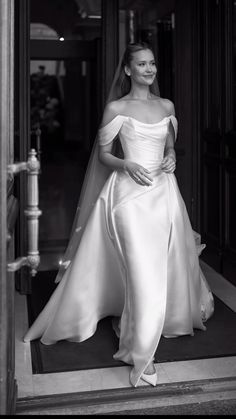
pixel 168 164
pixel 138 173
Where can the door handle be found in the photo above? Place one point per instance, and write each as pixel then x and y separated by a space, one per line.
pixel 37 132
pixel 32 212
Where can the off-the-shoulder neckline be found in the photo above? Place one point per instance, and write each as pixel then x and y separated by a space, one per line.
pixel 137 120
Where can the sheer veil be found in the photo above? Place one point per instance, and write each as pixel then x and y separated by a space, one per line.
pixel 96 173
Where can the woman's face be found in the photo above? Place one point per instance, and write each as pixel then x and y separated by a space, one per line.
pixel 142 68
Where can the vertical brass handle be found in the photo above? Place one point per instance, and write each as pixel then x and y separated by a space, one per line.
pixel 32 212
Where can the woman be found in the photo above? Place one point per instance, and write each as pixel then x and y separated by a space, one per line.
pixel 132 254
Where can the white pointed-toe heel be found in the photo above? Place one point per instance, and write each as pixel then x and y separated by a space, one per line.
pixel 150 378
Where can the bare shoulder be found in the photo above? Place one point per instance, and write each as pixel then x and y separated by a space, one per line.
pixel 168 105
pixel 112 109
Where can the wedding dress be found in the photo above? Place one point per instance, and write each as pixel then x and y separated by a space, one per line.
pixel 137 259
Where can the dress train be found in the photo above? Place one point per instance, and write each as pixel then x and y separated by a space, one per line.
pixel 137 259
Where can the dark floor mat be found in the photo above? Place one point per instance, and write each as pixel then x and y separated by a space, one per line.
pixel 97 351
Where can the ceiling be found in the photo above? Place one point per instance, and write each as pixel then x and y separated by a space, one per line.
pixel 69 17
pixel 137 4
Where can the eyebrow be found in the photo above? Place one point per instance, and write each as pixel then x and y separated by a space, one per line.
pixel 145 61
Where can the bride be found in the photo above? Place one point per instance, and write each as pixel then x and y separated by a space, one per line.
pixel 132 253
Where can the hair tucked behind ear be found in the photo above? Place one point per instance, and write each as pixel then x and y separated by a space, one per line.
pixel 121 83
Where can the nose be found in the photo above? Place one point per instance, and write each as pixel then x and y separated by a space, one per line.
pixel 148 68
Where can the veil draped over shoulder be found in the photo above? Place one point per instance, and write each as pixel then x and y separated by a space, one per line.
pixel 95 176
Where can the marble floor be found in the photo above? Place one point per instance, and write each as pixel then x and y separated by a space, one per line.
pixel 31 385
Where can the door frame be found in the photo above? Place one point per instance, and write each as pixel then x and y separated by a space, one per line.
pixel 8 387
pixel 22 131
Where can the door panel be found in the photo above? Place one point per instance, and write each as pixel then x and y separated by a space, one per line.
pixel 219 135
pixel 229 256
pixel 212 135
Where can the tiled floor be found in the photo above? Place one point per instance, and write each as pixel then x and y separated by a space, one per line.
pixel 118 377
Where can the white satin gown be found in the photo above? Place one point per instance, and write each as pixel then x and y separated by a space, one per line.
pixel 137 259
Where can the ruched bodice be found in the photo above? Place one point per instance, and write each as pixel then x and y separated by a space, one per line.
pixel 143 143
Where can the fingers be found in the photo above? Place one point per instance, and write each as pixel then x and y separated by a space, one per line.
pixel 137 179
pixel 166 162
pixel 168 165
pixel 141 180
pixel 169 169
pixel 145 170
pixel 142 175
pixel 147 176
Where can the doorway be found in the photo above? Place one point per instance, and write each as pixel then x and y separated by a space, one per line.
pixel 64 117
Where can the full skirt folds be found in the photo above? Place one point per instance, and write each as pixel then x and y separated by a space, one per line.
pixel 138 261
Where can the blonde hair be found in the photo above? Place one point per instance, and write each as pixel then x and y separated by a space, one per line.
pixel 122 84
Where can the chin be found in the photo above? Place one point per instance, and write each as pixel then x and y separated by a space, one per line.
pixel 149 80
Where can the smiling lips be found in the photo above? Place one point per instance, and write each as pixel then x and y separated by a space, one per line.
pixel 149 75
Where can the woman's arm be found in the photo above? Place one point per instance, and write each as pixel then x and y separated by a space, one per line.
pixel 137 172
pixel 106 157
pixel 169 148
pixel 169 161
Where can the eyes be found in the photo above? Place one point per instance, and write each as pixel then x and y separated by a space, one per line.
pixel 143 63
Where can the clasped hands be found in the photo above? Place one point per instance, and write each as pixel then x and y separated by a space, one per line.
pixel 142 176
